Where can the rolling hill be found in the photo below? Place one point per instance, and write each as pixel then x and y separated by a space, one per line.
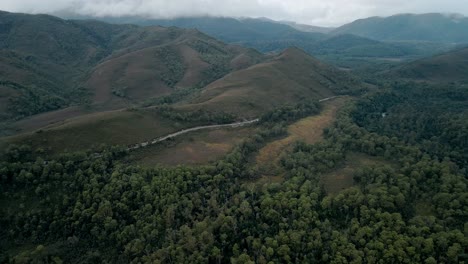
pixel 105 66
pixel 267 35
pixel 227 29
pixel 113 70
pixel 290 77
pixel 286 79
pixel 447 67
pixel 352 45
pixel 343 49
pixel 432 27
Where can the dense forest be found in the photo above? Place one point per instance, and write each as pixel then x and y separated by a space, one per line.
pixel 83 207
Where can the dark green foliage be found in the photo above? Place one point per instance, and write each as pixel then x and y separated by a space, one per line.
pixel 199 116
pixel 176 96
pixel 291 113
pixel 217 58
pixel 175 67
pixel 118 213
pixel 91 207
pixel 435 117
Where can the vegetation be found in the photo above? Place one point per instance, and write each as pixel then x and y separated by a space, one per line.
pixel 433 27
pixel 431 116
pixel 354 45
pixel 175 69
pixel 288 78
pixel 446 67
pixel 91 204
pixel 76 62
pixel 199 116
pixel 118 213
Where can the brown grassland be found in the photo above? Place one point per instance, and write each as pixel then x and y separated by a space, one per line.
pixel 123 127
pixel 195 148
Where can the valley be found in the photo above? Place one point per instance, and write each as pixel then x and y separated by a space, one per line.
pixel 233 140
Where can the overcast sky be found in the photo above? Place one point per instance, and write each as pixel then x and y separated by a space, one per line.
pixel 314 12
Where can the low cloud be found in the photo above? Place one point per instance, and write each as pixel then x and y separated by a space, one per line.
pixel 317 12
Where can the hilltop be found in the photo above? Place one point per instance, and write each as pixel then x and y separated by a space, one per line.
pixel 115 75
pixel 433 27
pixel 447 67
pixel 338 46
pixel 232 30
pixel 290 77
pixel 105 66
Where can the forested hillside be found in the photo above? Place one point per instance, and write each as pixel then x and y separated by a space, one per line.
pixel 345 46
pixel 434 27
pixel 297 161
pixel 447 67
pixel 413 211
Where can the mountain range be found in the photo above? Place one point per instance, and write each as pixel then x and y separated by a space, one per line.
pixel 406 36
pixel 433 27
pixel 79 68
pixel 123 143
pixel 104 65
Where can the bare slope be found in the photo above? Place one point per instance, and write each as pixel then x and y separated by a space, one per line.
pixel 189 60
pixel 47 63
pixel 286 79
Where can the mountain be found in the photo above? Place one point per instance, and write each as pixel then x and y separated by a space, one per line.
pixel 261 34
pixel 433 27
pixel 290 77
pixel 308 28
pixel 72 62
pixel 352 45
pixel 448 67
pixel 266 35
pixel 101 69
pixel 227 29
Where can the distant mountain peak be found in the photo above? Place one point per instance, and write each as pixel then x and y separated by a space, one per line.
pixel 435 27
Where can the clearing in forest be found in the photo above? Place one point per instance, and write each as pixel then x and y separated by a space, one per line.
pixel 195 148
pixel 308 130
pixel 342 177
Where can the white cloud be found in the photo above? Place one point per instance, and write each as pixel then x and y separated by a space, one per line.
pixel 318 12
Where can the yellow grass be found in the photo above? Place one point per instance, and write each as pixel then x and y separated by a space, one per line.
pixel 309 130
pixel 195 148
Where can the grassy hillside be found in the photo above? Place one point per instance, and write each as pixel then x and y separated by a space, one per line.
pixel 342 49
pixel 189 60
pixel 425 27
pixel 121 127
pixel 447 67
pixel 101 65
pixel 290 77
pixel 287 79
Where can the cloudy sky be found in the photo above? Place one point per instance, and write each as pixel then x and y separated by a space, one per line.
pixel 315 12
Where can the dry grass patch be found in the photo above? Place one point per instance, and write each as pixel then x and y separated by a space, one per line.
pixel 309 130
pixel 195 148
pixel 111 128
